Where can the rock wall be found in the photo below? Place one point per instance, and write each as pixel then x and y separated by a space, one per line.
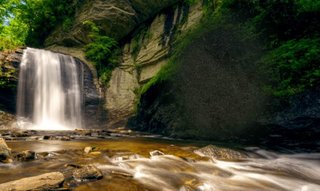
pixel 214 93
pixel 9 72
pixel 144 55
pixel 94 115
pixel 116 17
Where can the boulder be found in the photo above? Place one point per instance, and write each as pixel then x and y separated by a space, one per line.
pixel 156 153
pixel 220 153
pixel 48 181
pixel 5 152
pixel 88 172
pixel 26 156
pixel 87 150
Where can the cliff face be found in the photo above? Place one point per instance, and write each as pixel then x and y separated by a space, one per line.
pixel 216 94
pixel 9 64
pixel 143 56
pixel 117 19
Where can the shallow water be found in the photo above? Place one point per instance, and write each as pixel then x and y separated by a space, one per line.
pixel 127 165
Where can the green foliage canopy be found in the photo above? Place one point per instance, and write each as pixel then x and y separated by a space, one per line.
pixel 29 22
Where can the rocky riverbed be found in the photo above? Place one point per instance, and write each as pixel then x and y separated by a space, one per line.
pixel 120 159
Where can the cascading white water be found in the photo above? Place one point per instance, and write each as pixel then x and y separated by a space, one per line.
pixel 48 91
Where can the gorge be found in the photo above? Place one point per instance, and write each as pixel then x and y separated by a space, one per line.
pixel 168 95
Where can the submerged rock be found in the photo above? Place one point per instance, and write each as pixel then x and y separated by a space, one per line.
pixel 156 153
pixel 220 153
pixel 87 150
pixel 89 172
pixel 5 152
pixel 48 181
pixel 26 156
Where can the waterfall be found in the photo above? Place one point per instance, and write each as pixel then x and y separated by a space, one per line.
pixel 48 91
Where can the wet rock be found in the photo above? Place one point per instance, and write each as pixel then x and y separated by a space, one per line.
pixel 6 119
pixel 73 165
pixel 60 138
pixel 89 172
pixel 65 138
pixel 9 64
pixel 94 134
pixel 118 158
pixel 87 150
pixel 156 153
pixel 5 152
pixel 20 134
pixel 26 156
pixel 119 172
pixel 43 155
pixel 46 137
pixel 95 153
pixel 135 156
pixel 220 153
pixel 49 181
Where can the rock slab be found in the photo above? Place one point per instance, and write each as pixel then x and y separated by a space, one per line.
pixel 88 172
pixel 46 181
pixel 220 153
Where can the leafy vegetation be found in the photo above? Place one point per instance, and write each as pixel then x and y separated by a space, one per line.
pixel 29 22
pixel 103 51
pixel 290 30
pixel 294 66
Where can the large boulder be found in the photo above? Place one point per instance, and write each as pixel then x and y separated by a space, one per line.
pixel 220 153
pixel 48 181
pixel 88 172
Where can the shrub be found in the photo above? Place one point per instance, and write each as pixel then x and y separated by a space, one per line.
pixel 103 51
pixel 294 66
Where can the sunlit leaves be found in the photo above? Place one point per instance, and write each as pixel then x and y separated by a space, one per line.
pixel 31 21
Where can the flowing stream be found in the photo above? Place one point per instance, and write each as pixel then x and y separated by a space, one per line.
pixel 127 163
pixel 48 91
